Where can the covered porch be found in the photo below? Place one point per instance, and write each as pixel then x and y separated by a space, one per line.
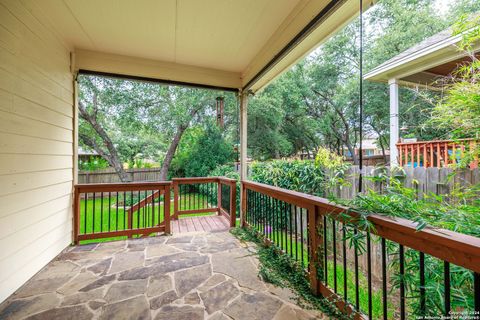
pixel 191 276
pixel 238 46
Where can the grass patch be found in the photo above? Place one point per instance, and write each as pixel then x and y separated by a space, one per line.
pixel 109 217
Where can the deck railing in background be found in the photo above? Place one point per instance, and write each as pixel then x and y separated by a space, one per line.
pixel 438 153
pixel 109 210
pixel 227 199
pixel 204 194
pixel 314 231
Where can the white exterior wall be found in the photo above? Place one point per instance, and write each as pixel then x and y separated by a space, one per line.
pixel 36 144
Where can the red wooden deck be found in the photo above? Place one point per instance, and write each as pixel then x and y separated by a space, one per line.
pixel 201 223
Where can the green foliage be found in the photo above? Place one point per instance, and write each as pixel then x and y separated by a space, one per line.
pixel 459 211
pixel 92 164
pixel 459 108
pixel 327 159
pixel 302 176
pixel 204 150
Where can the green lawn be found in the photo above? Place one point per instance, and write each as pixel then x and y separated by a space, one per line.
pixel 116 219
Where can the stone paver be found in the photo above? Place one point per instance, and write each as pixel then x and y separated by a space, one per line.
pixel 209 276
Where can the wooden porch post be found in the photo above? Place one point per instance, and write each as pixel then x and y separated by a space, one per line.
pixel 243 149
pixel 394 131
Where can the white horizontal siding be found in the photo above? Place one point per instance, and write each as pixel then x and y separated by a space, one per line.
pixel 36 145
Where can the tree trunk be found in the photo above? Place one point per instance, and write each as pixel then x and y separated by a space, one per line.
pixel 111 156
pixel 171 152
pixel 352 152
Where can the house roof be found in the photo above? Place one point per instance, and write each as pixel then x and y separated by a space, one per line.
pixel 436 56
pixel 220 43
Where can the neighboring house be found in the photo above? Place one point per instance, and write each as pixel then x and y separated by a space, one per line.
pixel 421 65
pixel 86 155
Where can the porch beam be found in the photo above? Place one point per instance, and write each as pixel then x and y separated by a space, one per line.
pixel 394 129
pixel 134 68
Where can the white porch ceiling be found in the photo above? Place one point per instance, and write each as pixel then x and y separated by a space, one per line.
pixel 225 42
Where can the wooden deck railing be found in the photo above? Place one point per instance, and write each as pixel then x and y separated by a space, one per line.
pixel 313 232
pixel 204 194
pixel 437 153
pixel 109 210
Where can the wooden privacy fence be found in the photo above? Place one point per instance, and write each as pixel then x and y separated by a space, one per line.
pixel 272 212
pixel 437 153
pixel 433 180
pixel 109 175
pixel 110 210
pixel 205 194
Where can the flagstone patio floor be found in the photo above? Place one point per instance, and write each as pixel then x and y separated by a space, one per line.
pixel 208 275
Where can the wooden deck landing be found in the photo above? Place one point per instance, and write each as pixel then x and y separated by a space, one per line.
pixel 201 223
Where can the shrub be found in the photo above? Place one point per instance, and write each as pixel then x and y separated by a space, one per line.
pixel 299 175
pixel 92 164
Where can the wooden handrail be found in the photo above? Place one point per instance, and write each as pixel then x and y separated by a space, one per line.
pixel 448 246
pixel 128 186
pixel 454 247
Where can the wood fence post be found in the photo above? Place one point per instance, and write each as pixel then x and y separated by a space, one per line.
pixel 233 204
pixel 76 215
pixel 166 208
pixel 314 247
pixel 219 196
pixel 243 205
pixel 175 200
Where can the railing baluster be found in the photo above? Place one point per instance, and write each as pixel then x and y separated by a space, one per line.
pixel 291 230
pixel 334 241
pixel 256 198
pixel 422 283
pixel 275 221
pixel 116 212
pixel 446 275
pixel 384 279
pixel 138 210
pixel 284 226
pixel 476 291
pixel 85 214
pixel 325 249
pixel 109 209
pixel 296 236
pixel 124 211
pixel 153 206
pixel 402 281
pixel 357 288
pixel 264 215
pixel 301 240
pixel 101 212
pixel 310 252
pixel 93 211
pixel 369 274
pixel 268 217
pixel 344 240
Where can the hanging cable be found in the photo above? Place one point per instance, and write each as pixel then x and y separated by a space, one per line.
pixel 360 147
